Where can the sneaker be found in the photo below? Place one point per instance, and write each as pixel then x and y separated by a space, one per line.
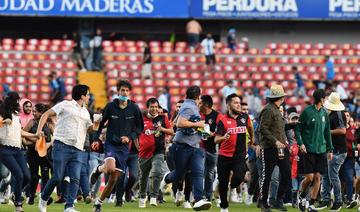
pixel 321 205
pixel 60 200
pixel 72 209
pixel 351 204
pixel 94 176
pixel 336 207
pixel 118 204
pixel 249 199
pixel 312 208
pixel 142 202
pixel 265 208
pixel 234 197
pixel 111 199
pixel 97 208
pixel 19 208
pixel 153 201
pixel 224 210
pixel 42 205
pixel 202 205
pixel 218 201
pixel 31 200
pixel 187 205
pixel 88 199
pixel 67 179
pixel 302 203
pixel 163 184
pixel 179 198
pixel 278 205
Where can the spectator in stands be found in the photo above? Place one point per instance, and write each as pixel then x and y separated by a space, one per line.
pixel 146 63
pixel 25 112
pixel 168 96
pixel 163 99
pixel 228 89
pixel 231 39
pixel 58 89
pixel 193 30
pixel 329 65
pixel 340 90
pixel 86 50
pixel 76 54
pixel 6 90
pixel 246 44
pixel 208 45
pixel 97 41
pixel 300 88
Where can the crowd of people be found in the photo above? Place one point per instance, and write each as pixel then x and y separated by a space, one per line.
pixel 273 158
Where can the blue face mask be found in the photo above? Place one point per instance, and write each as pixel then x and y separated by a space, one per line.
pixel 123 98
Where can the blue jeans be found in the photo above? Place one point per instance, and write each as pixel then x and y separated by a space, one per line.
pixel 133 170
pixel 14 160
pixel 210 165
pixel 331 177
pixel 189 158
pixel 84 174
pixel 274 185
pixel 95 160
pixel 64 157
pixel 347 174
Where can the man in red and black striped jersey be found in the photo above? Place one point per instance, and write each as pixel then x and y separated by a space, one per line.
pixel 212 118
pixel 231 135
pixel 152 150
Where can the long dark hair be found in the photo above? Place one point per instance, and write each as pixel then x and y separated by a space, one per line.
pixel 10 105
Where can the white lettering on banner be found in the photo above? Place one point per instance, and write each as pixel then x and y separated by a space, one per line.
pixel 113 6
pixel 35 5
pixel 251 5
pixel 345 5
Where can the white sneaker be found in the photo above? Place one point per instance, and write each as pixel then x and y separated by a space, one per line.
pixel 163 184
pixel 218 201
pixel 234 197
pixel 359 209
pixel 187 205
pixel 153 201
pixel 142 202
pixel 202 205
pixel 249 199
pixel 42 205
pixel 111 198
pixel 71 210
pixel 179 198
pixel 67 179
pixel 224 210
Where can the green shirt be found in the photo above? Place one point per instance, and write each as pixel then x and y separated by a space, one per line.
pixel 315 130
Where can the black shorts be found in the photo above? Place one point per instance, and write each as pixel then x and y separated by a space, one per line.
pixel 210 59
pixel 312 163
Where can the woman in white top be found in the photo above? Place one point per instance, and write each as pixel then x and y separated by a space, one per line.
pixel 10 145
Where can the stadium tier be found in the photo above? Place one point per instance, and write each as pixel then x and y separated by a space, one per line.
pixel 26 64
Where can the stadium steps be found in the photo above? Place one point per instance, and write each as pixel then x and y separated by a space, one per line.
pixel 96 82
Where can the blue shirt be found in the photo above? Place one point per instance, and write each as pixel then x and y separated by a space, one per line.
pixel 190 111
pixel 330 73
pixel 299 80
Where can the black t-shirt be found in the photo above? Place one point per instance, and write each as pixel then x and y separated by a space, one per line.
pixel 147 52
pixel 338 120
pixel 212 119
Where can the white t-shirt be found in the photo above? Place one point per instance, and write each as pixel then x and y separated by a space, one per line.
pixel 226 91
pixel 72 123
pixel 163 102
pixel 341 91
pixel 208 45
pixel 10 134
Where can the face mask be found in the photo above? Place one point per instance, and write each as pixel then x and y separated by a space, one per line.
pixel 123 98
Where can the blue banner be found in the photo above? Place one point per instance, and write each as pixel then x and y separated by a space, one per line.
pixel 214 9
pixel 97 8
pixel 276 9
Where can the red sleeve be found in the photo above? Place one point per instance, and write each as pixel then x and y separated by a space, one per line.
pixel 218 118
pixel 167 122
pixel 249 123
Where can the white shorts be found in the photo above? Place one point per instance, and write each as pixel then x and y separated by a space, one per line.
pixel 146 70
